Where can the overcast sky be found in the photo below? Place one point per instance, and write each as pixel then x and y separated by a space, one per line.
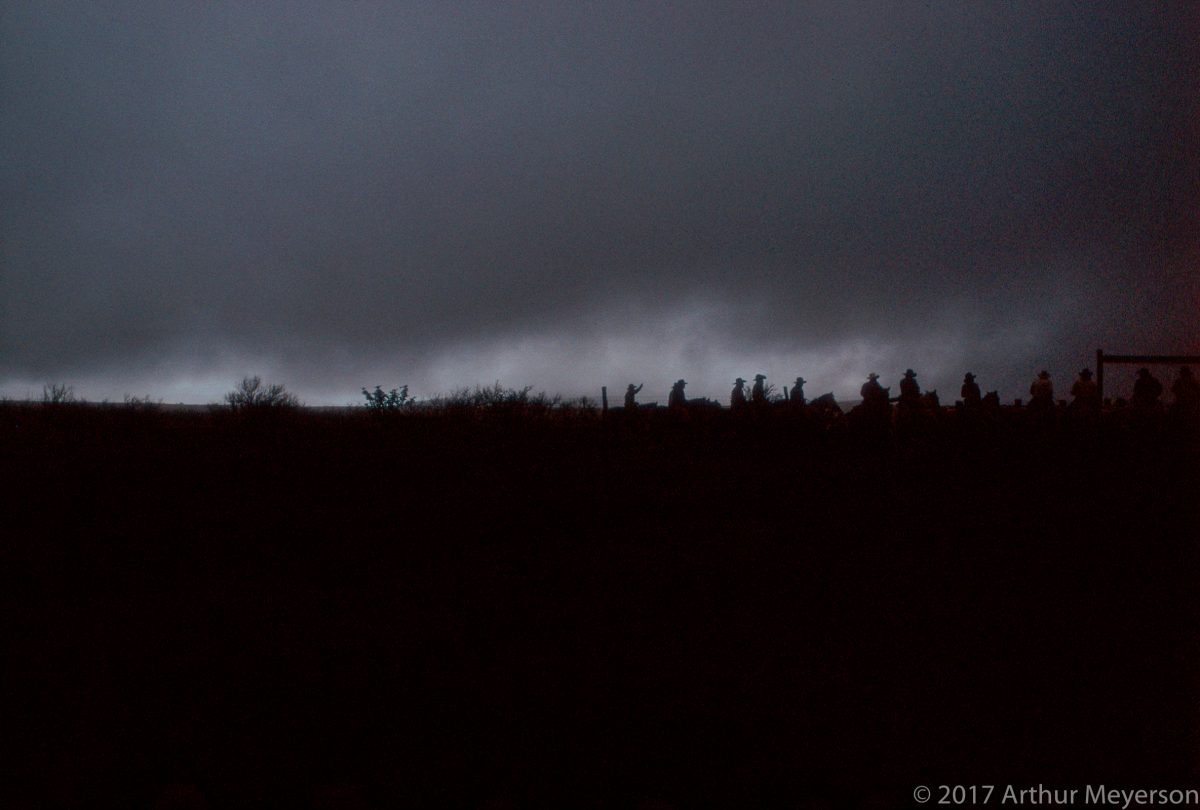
pixel 569 195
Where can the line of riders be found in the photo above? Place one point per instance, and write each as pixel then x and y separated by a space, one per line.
pixel 1147 393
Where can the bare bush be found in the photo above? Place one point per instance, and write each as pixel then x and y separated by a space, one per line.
pixel 57 394
pixel 495 397
pixel 145 403
pixel 771 393
pixel 252 393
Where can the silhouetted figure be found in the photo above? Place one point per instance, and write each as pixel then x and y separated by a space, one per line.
pixel 737 399
pixel 871 420
pixel 1041 392
pixel 1041 414
pixel 1086 396
pixel 872 392
pixel 797 393
pixel 758 394
pixel 970 392
pixel 1085 386
pixel 677 400
pixel 631 396
pixel 1187 392
pixel 988 417
pixel 910 392
pixel 1146 390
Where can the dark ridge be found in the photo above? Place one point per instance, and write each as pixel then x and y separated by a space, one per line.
pixel 547 606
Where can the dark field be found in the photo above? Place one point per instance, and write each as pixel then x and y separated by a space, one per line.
pixel 547 608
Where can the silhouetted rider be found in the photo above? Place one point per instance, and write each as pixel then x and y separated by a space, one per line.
pixel 631 396
pixel 737 399
pixel 872 392
pixel 758 394
pixel 970 391
pixel 797 392
pixel 1085 393
pixel 1041 392
pixel 677 399
pixel 1146 390
pixel 1187 391
pixel 910 392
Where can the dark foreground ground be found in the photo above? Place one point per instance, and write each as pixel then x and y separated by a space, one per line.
pixel 324 610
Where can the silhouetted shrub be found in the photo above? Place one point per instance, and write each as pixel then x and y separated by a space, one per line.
pixel 496 399
pixel 57 394
pixel 494 395
pixel 482 397
pixel 771 393
pixel 251 393
pixel 142 403
pixel 394 400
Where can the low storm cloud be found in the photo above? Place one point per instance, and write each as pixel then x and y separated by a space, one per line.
pixel 570 195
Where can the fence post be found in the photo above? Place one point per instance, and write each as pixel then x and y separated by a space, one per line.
pixel 1100 374
pixel 604 398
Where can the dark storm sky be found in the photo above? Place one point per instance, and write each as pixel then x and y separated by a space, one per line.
pixel 570 195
